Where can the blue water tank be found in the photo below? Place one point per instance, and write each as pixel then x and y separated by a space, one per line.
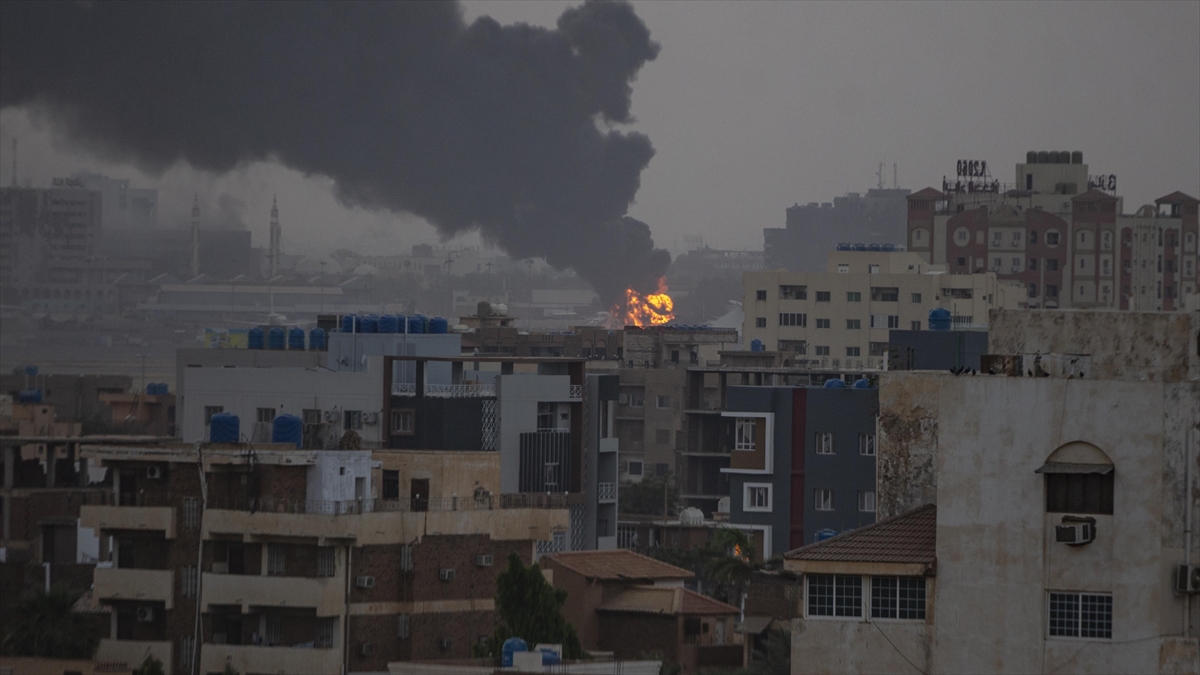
pixel 834 383
pixel 152 389
pixel 255 338
pixel 889 247
pixel 416 323
pixel 842 246
pixel 31 371
pixel 550 657
pixel 347 325
pixel 29 396
pixel 401 323
pixel 295 338
pixel 276 338
pixel 439 325
pixel 287 429
pixel 874 247
pixel 163 389
pixel 860 247
pixel 939 319
pixel 389 323
pixel 862 383
pixel 756 345
pixel 510 646
pixel 224 428
pixel 316 340
pixel 369 324
pixel 827 533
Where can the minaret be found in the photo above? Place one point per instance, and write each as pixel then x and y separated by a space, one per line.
pixel 273 253
pixel 196 237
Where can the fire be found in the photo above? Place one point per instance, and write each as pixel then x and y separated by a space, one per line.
pixel 654 309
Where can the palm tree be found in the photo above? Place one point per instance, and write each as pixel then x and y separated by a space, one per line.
pixel 44 625
pixel 731 563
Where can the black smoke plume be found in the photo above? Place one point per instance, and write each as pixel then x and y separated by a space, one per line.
pixel 507 129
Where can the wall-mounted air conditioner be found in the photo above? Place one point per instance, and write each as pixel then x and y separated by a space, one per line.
pixel 145 614
pixel 370 418
pixel 1075 531
pixel 1187 578
pixel 332 416
pixel 154 473
pixel 445 643
pixel 484 559
pixel 446 574
pixel 366 649
pixel 365 582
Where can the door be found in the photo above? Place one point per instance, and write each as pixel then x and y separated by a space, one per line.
pixel 237 559
pixel 128 490
pixel 420 494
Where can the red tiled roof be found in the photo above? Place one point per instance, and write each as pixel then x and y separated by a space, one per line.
pixel 1177 197
pixel 1095 194
pixel 665 600
pixel 927 192
pixel 909 537
pixel 618 564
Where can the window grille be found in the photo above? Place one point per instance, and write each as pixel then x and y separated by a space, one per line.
pixel 402 627
pixel 325 561
pixel 191 513
pixel 1085 615
pixel 275 559
pixel 326 630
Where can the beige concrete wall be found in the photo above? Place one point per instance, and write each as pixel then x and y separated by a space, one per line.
pixel 283 660
pixel 449 473
pixel 134 652
pixel 814 644
pixel 128 584
pixel 326 594
pixel 149 518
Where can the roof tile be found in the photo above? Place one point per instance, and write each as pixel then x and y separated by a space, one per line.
pixel 618 564
pixel 909 537
pixel 665 600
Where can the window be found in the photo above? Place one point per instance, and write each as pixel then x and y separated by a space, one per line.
pixel 756 497
pixel 325 561
pixel 1079 493
pixel 962 262
pixel 793 319
pixel 866 501
pixel 877 348
pixel 1033 263
pixel 326 630
pixel 822 323
pixel 1052 238
pixel 1033 236
pixel 635 468
pixel 885 294
pixel 636 400
pixel 822 296
pixel 210 410
pixel 898 598
pixel 188 580
pixel 793 292
pixel 186 644
pixel 823 500
pixel 843 269
pixel 834 595
pixel 744 433
pixel 866 444
pixel 1032 290
pixel 760 295
pixel 962 236
pixel 545 417
pixel 915 325
pixel 760 322
pixel 853 351
pixel 1083 615
pixel 853 324
pixel 275 559
pixel 1016 264
pixel 662 402
pixel 996 263
pixel 404 421
pixel 853 296
pixel 959 293
pixel 191 513
pixel 797 346
pixel 996 238
pixel 311 416
pixel 391 484
pixel 1016 238
pixel 885 320
pixel 265 415
pixel 824 443
pixel 916 298
pixel 352 419
pixel 1051 264
pixel 822 351
pixel 874 269
pixel 1051 291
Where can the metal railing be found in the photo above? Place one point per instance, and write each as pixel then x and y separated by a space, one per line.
pixel 466 390
pixel 413 504
pixel 576 392
pixel 606 490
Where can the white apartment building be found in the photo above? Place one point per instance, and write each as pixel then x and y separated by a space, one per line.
pixel 841 319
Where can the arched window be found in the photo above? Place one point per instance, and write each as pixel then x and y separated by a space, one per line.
pixel 1079 479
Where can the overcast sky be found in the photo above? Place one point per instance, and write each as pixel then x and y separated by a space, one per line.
pixel 755 106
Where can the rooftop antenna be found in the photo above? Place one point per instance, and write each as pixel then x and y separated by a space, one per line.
pixel 894 183
pixel 14 177
pixel 879 175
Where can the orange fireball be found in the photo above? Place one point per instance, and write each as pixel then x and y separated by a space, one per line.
pixel 654 309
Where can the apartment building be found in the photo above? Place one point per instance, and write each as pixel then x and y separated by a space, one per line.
pixel 1062 233
pixel 841 319
pixel 1037 518
pixel 44 233
pixel 271 559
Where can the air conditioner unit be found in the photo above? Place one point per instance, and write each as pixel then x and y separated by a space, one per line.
pixel 446 574
pixel 1075 532
pixel 145 614
pixel 445 643
pixel 331 416
pixel 365 582
pixel 154 473
pixel 370 418
pixel 366 649
pixel 1187 578
pixel 484 560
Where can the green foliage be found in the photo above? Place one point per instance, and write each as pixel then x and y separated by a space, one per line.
pixel 531 609
pixel 646 497
pixel 230 670
pixel 45 626
pixel 151 666
pixel 776 659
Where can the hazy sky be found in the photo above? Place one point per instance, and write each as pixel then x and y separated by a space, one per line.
pixel 755 106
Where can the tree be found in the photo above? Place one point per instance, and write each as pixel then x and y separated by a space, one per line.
pixel 531 609
pixel 150 666
pixel 649 496
pixel 45 626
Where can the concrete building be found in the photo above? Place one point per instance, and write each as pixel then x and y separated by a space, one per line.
pixel 1062 233
pixel 123 207
pixel 936 350
pixel 813 229
pixel 273 559
pixel 1064 490
pixel 841 318
pixel 46 238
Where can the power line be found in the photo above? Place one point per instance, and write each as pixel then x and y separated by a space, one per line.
pixel 889 641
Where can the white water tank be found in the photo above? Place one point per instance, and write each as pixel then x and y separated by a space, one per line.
pixel 691 517
pixel 723 505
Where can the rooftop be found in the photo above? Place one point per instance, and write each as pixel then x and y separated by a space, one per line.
pixel 618 564
pixel 665 600
pixel 909 537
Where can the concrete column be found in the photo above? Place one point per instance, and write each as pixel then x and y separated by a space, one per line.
pixel 8 450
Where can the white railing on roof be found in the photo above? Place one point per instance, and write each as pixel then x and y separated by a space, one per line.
pixel 467 390
pixel 404 388
pixel 576 391
pixel 606 490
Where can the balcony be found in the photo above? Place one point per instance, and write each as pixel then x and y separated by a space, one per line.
pixel 609 444
pixel 466 390
pixel 147 518
pixel 116 583
pixel 133 652
pixel 325 594
pixel 256 659
pixel 606 492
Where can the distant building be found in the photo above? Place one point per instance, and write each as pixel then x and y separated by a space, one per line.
pixel 122 207
pixel 47 238
pixel 814 229
pixel 936 350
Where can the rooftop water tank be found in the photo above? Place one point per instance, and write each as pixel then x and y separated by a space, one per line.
pixel 756 345
pixel 939 319
pixel 874 247
pixel 31 371
pixel 691 517
pixel 163 389
pixel 827 533
pixel 152 389
pixel 889 247
pixel 317 340
pixel 389 323
pixel 862 383
pixel 860 247
pixel 500 308
pixel 224 428
pixel 834 383
pixel 276 338
pixel 29 395
pixel 416 323
pixel 1043 157
pixel 510 646
pixel 438 325
pixel 287 429
pixel 1077 157
pixel 370 324
pixel 460 328
pixel 295 338
pixel 1064 156
pixel 347 323
pixel 1031 157
pixel 255 338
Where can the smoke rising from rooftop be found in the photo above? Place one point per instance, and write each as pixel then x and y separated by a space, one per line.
pixel 508 129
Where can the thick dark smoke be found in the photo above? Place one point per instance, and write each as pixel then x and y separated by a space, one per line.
pixel 402 104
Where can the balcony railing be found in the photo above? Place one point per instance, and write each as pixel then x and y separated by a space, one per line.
pixel 576 392
pixel 360 506
pixel 467 390
pixel 606 490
